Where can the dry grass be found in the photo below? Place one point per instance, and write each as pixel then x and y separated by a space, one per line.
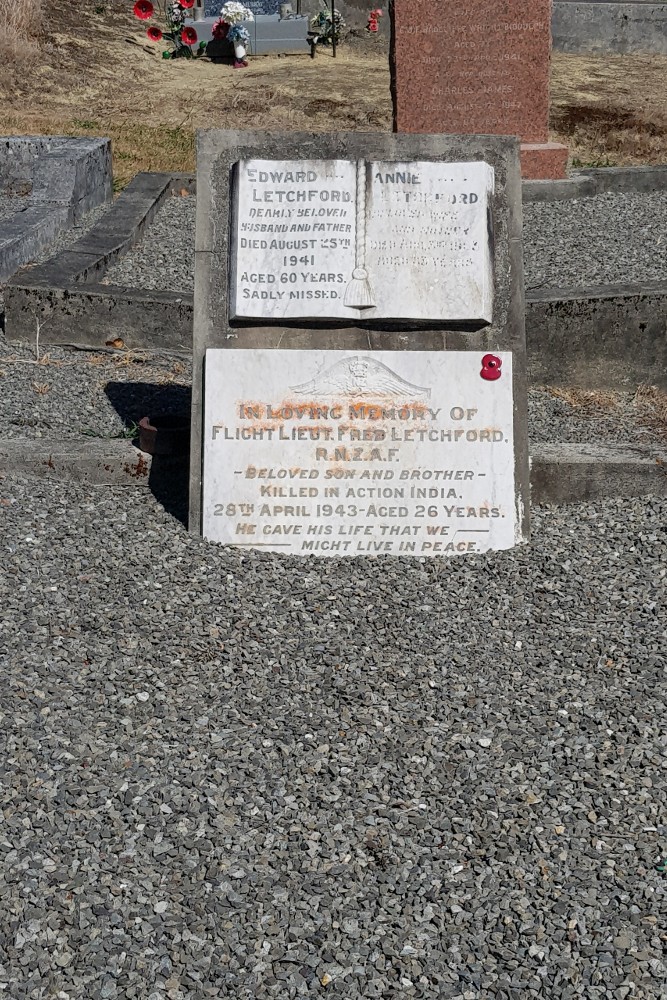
pixel 110 81
pixel 585 400
pixel 610 110
pixel 647 408
pixel 651 405
pixel 20 25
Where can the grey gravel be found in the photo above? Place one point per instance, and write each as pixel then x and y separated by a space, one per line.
pixel 70 393
pixel 592 418
pixel 165 258
pixel 10 205
pixel 609 239
pixel 363 778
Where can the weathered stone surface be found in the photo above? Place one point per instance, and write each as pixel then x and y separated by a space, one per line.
pixel 61 180
pixel 65 297
pixel 343 453
pixel 615 27
pixel 418 232
pixel 598 338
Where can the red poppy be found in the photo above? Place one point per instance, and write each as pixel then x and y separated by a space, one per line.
pixel 187 3
pixel 219 30
pixel 154 34
pixel 143 9
pixel 188 36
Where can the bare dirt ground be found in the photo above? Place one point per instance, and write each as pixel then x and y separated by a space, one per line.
pixel 99 75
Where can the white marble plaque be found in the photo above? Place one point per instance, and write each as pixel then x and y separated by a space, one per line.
pixel 338 239
pixel 342 453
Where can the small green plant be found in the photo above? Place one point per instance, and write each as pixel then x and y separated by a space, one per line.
pixel 128 433
pixel 588 164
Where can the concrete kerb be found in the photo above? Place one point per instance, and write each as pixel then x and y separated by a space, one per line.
pixel 560 473
pixel 604 27
pixel 60 178
pixel 587 183
pixel 611 337
pixel 65 295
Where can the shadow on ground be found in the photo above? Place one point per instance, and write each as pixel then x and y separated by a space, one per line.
pixel 169 475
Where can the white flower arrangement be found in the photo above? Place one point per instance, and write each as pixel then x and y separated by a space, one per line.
pixel 233 13
pixel 175 14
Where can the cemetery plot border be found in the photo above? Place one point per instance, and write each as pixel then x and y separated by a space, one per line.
pixel 609 337
pixel 559 473
pixel 60 179
pixel 65 295
pixel 618 27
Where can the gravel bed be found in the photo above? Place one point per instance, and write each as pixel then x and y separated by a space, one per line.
pixel 10 204
pixel 70 393
pixel 592 418
pixel 609 239
pixel 165 258
pixel 73 393
pixel 247 776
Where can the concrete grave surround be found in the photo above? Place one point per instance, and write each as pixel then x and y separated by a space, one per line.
pixel 219 152
pixel 479 67
pixel 60 178
pixel 599 27
pixel 419 232
pixel 610 337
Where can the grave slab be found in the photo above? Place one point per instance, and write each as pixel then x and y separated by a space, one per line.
pixel 406 453
pixel 482 68
pixel 434 366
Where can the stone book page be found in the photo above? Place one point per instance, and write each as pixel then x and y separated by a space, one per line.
pixel 356 241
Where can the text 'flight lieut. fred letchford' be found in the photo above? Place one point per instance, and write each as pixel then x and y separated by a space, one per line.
pixel 338 239
pixel 341 453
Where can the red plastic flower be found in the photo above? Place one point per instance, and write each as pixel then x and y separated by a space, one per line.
pixel 219 30
pixel 187 3
pixel 143 9
pixel 188 36
pixel 154 34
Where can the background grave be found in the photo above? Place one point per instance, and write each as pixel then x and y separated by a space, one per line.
pixel 482 68
pixel 46 185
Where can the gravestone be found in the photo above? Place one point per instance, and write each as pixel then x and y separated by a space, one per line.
pixel 359 348
pixel 480 67
pixel 258 7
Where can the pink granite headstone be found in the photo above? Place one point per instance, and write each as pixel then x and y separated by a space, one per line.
pixel 477 67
